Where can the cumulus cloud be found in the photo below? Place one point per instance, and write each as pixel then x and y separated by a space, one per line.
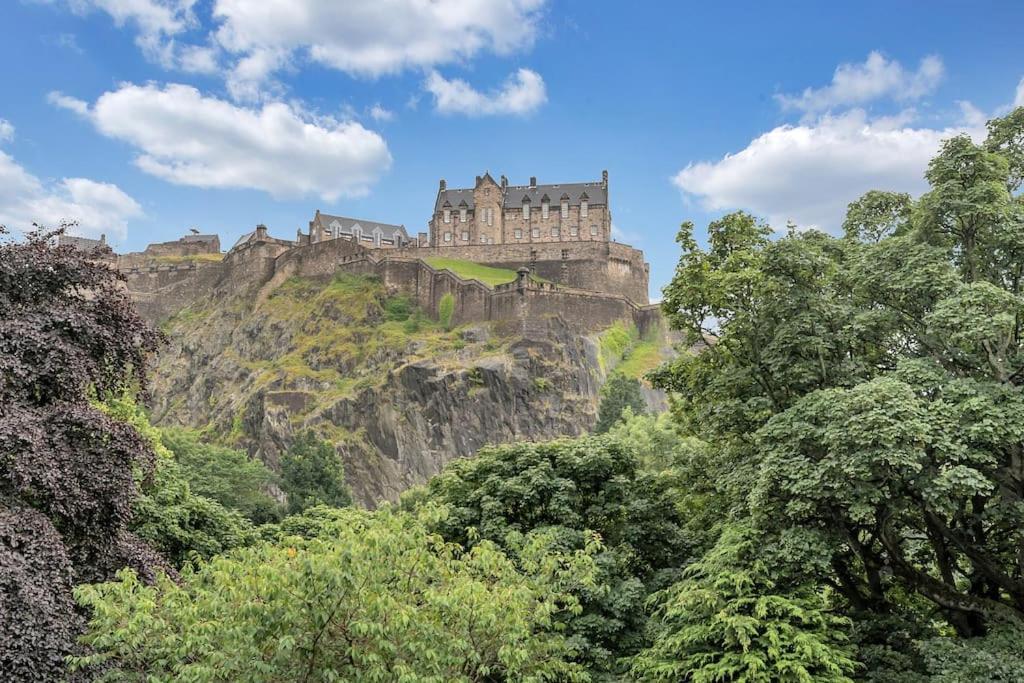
pixel 6 130
pixel 808 173
pixel 386 36
pixel 187 138
pixel 99 208
pixel 875 78
pixel 521 94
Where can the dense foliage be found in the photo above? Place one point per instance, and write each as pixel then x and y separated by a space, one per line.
pixel 572 489
pixel 862 399
pixel 369 597
pixel 68 334
pixel 312 474
pixel 619 394
pixel 225 475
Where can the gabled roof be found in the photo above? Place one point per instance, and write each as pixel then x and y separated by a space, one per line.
pixel 595 194
pixel 387 231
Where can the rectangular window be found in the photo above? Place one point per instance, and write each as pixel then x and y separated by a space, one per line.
pixel 544 210
pixel 565 210
pixel 447 215
pixel 556 232
pixel 519 234
pixel 593 230
pixel 490 216
pixel 574 231
pixel 526 212
pixel 583 208
pixel 535 232
pixel 465 235
pixel 462 215
pixel 483 239
pixel 510 215
pixel 447 237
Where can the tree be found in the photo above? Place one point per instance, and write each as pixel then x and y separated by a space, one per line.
pixel 863 398
pixel 225 475
pixel 168 514
pixel 572 489
pixel 68 335
pixel 618 394
pixel 372 597
pixel 312 474
pixel 725 621
pixel 445 311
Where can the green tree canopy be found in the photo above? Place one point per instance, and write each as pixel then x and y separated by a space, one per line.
pixel 312 474
pixel 572 488
pixel 371 597
pixel 862 395
pixel 619 393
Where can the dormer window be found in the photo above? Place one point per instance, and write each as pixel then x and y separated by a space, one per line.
pixel 544 207
pixel 447 215
pixel 526 208
pixel 462 215
pixel 583 208
pixel 565 209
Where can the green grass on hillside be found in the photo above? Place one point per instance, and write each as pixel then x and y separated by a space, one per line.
pixel 473 271
pixel 621 347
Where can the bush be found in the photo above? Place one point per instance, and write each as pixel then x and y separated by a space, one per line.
pixel 313 474
pixel 445 310
pixel 618 394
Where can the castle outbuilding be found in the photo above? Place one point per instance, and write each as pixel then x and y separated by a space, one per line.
pixel 368 233
pixel 494 212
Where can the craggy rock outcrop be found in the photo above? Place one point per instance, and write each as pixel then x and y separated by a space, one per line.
pixel 397 394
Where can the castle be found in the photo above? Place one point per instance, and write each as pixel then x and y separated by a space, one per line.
pixel 554 240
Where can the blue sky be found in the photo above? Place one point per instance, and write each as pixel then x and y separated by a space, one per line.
pixel 142 118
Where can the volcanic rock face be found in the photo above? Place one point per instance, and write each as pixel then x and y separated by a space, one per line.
pixel 397 394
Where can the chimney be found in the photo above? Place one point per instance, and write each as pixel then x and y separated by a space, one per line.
pixel 444 185
pixel 533 181
pixel 504 182
pixel 261 232
pixel 604 179
pixel 103 239
pixel 477 183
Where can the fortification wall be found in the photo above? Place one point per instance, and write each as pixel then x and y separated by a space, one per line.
pixel 593 266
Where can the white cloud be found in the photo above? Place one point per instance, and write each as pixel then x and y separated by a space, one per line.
pixel 1018 101
pixel 67 102
pixel 379 113
pixel 187 138
pixel 386 36
pixel 876 78
pixel 6 130
pixel 150 16
pixel 808 173
pixel 99 208
pixel 521 94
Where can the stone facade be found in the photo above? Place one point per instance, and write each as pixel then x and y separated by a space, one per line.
pixel 367 233
pixel 498 213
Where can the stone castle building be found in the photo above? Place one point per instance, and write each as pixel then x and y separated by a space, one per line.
pixel 369 233
pixel 498 213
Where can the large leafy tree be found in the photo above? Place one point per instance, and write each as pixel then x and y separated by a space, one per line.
pixel 68 336
pixel 571 489
pixel 863 394
pixel 619 393
pixel 365 597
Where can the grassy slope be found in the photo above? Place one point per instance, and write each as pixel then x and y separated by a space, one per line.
pixel 469 270
pixel 632 356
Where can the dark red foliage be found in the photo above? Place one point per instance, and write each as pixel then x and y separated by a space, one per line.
pixel 68 335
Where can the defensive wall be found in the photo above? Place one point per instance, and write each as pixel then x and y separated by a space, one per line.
pixel 609 272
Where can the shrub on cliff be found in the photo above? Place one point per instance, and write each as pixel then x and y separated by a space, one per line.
pixel 445 310
pixel 68 335
pixel 618 394
pixel 312 474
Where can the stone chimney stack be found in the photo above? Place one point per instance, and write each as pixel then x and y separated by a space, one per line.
pixel 261 232
pixel 444 185
pixel 103 239
pixel 504 182
pixel 477 183
pixel 533 181
pixel 604 179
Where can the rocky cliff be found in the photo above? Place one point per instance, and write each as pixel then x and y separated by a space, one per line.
pixel 397 393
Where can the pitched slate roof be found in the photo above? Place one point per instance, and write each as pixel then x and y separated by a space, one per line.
pixel 387 231
pixel 595 194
